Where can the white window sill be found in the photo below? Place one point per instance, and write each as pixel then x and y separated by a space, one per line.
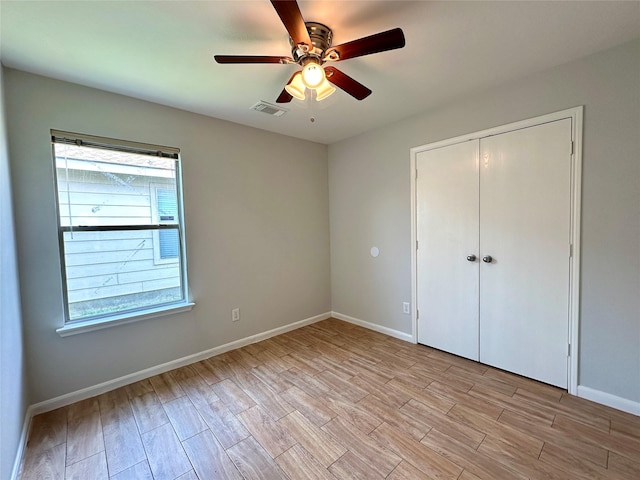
pixel 100 323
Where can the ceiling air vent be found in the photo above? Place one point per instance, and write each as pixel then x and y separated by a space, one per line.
pixel 269 109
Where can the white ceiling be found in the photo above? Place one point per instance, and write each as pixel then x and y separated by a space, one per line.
pixel 161 51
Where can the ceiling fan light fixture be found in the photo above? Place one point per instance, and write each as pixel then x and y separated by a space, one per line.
pixel 324 90
pixel 296 87
pixel 313 75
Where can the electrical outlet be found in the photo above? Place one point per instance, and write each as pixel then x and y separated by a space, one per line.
pixel 235 314
pixel 406 308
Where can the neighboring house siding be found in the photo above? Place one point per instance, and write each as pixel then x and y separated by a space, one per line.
pixel 122 263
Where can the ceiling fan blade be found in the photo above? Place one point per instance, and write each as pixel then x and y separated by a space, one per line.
pixel 285 97
pixel 251 59
pixel 346 83
pixel 289 13
pixel 380 42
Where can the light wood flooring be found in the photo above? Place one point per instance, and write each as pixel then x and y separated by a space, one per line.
pixel 333 400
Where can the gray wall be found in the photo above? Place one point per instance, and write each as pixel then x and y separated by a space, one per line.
pixel 369 184
pixel 257 230
pixel 13 383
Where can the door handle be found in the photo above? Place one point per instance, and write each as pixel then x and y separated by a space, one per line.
pixel 471 258
pixel 487 259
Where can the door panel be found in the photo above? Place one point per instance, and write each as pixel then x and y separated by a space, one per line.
pixel 447 232
pixel 525 226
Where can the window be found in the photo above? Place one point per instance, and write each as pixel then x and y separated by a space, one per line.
pixel 121 229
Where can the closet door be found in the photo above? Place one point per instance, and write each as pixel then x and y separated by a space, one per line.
pixel 447 232
pixel 525 228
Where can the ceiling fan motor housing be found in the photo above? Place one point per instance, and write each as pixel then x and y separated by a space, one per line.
pixel 321 38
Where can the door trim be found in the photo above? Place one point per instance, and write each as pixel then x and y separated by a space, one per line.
pixel 576 116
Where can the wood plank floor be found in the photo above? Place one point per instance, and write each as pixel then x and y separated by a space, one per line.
pixel 333 400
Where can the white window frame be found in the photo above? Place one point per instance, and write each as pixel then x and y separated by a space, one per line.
pixel 72 327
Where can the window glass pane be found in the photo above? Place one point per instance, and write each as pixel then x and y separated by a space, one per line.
pixel 106 187
pixel 113 272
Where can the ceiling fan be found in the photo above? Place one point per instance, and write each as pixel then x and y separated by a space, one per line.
pixel 311 48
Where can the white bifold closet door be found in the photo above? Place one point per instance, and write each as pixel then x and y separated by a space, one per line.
pixel 493 265
pixel 447 209
pixel 525 208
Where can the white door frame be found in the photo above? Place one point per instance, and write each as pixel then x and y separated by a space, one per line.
pixel 575 114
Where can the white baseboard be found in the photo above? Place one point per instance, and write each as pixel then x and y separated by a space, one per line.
pixel 376 328
pixel 22 444
pixel 101 388
pixel 609 400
